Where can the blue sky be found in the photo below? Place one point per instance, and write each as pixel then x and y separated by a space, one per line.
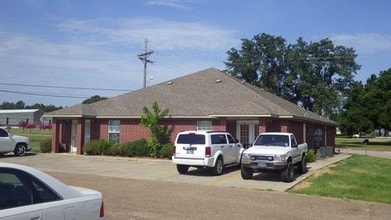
pixel 58 51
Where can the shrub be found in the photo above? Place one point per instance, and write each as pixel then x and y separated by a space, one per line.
pixel 105 146
pixel 92 147
pixel 166 151
pixel 310 156
pixel 136 148
pixel 45 145
pixel 114 150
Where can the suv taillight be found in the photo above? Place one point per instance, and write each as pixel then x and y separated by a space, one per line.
pixel 173 150
pixel 207 152
pixel 102 210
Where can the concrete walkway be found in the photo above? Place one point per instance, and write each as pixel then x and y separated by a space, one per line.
pixel 383 154
pixel 160 170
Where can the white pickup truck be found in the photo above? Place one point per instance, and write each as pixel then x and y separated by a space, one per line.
pixel 277 152
pixel 13 143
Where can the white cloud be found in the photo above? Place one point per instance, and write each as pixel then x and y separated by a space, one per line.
pixel 364 43
pixel 165 35
pixel 103 53
pixel 169 3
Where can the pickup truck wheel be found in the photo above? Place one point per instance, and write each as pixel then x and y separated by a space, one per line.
pixel 20 150
pixel 182 169
pixel 303 165
pixel 247 173
pixel 218 168
pixel 287 174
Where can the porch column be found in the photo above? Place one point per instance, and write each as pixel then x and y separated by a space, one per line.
pixel 55 135
pixel 79 136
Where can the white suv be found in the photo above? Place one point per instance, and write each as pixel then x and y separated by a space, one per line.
pixel 214 149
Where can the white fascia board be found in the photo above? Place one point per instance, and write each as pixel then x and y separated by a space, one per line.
pixel 241 116
pixel 63 116
pixel 139 116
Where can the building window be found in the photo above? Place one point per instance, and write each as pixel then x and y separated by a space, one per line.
pixel 204 125
pixel 114 130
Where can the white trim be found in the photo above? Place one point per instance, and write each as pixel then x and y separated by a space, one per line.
pixel 242 116
pixel 73 136
pixel 87 131
pixel 325 137
pixel 304 132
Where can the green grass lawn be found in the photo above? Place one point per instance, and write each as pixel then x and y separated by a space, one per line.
pixel 377 144
pixel 35 135
pixel 358 178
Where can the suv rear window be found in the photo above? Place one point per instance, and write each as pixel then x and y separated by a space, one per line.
pixel 191 139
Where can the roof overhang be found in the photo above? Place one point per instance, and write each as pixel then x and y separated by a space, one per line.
pixel 69 116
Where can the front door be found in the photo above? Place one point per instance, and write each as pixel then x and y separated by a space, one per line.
pixel 247 131
pixel 73 136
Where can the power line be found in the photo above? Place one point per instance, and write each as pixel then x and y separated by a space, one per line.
pixel 64 87
pixel 46 95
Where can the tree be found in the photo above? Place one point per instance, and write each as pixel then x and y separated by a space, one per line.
pixel 368 107
pixel 159 135
pixel 378 99
pixel 260 62
pixel 316 74
pixel 354 118
pixel 92 99
pixel 326 74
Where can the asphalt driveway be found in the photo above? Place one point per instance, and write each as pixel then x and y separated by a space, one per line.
pixel 160 170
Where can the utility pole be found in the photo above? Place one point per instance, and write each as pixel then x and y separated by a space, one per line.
pixel 144 58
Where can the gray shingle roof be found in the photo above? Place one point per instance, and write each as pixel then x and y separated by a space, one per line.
pixel 207 93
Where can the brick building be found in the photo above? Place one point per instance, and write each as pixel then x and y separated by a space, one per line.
pixel 209 99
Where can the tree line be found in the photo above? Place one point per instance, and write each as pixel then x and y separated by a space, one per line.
pixel 22 105
pixel 318 76
pixel 45 108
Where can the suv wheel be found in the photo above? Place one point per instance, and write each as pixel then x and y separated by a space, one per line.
pixel 247 173
pixel 287 174
pixel 218 168
pixel 182 169
pixel 20 150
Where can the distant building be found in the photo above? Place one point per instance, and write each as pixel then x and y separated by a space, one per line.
pixel 12 117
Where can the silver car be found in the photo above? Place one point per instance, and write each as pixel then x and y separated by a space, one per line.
pixel 27 193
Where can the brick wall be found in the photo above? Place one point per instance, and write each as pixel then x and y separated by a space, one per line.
pixel 130 130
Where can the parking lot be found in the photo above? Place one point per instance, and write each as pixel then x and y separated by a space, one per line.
pixel 136 188
pixel 159 170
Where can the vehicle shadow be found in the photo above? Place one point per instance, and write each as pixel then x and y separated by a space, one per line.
pixel 8 155
pixel 273 176
pixel 208 171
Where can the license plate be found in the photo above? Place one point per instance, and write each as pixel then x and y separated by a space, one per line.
pixel 262 164
pixel 190 151
pixel 253 165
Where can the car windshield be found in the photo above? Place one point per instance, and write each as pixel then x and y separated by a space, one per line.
pixel 191 139
pixel 272 140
